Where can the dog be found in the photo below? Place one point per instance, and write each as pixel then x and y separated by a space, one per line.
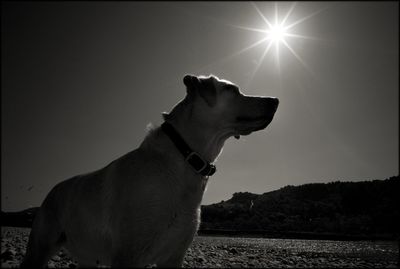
pixel 144 208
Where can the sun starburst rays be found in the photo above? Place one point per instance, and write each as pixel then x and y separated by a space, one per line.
pixel 288 13
pixel 304 18
pixel 260 61
pixel 261 14
pixel 277 33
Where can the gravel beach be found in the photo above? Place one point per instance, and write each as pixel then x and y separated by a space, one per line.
pixel 206 252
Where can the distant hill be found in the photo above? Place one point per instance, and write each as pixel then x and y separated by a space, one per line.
pixel 364 209
pixel 367 209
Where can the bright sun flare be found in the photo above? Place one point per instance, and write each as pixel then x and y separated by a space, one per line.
pixel 279 33
pixel 276 33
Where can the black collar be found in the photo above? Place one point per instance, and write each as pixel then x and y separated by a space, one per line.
pixel 199 165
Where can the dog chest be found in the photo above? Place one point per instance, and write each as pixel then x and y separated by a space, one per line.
pixel 176 237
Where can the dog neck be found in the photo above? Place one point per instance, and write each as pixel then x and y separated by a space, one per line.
pixel 162 151
pixel 205 140
pixel 207 144
pixel 193 158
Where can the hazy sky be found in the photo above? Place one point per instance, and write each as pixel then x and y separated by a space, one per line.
pixel 81 80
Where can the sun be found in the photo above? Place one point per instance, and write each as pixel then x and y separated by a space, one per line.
pixel 276 33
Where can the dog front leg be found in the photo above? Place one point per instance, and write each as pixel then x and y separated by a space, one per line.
pixel 128 256
pixel 175 261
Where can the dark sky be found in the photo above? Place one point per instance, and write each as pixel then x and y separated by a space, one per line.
pixel 81 80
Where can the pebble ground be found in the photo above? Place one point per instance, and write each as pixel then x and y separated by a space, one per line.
pixel 228 252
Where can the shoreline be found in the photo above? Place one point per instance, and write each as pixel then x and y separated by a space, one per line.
pixel 280 235
pixel 296 235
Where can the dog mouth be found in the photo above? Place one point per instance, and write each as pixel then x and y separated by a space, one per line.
pixel 246 119
pixel 247 125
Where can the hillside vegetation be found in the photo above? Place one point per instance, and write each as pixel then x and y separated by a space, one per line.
pixel 347 208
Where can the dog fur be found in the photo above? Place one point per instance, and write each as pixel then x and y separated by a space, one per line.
pixel 144 208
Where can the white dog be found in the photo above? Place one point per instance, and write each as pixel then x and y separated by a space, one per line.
pixel 144 208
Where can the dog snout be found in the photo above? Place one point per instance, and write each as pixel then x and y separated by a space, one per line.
pixel 272 103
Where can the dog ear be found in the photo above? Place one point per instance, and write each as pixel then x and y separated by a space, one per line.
pixel 191 82
pixel 208 91
pixel 165 116
pixel 203 86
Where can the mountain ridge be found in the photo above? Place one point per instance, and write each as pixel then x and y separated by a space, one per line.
pixel 363 209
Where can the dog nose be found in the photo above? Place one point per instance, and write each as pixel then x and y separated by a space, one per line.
pixel 273 101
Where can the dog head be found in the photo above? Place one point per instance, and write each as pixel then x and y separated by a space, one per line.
pixel 220 105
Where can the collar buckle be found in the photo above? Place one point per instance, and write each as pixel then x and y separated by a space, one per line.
pixel 195 160
pixel 199 165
